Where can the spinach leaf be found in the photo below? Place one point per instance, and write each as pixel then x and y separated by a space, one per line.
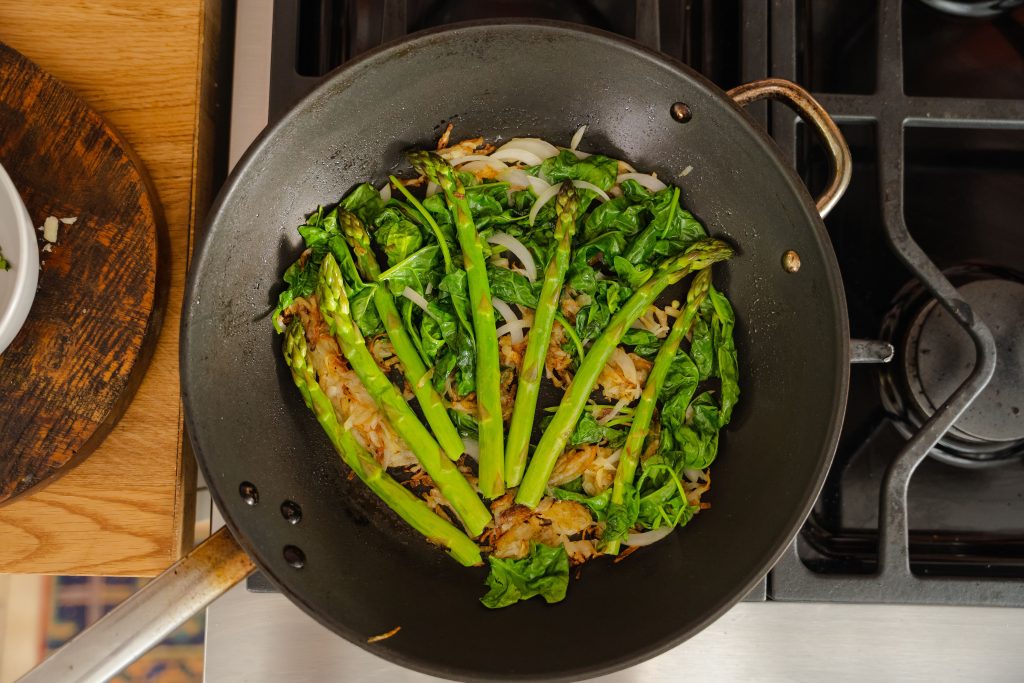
pixel 464 423
pixel 620 215
pixel 596 169
pixel 364 311
pixel 644 343
pixel 415 271
pixel 598 504
pixel 665 503
pixel 512 288
pixel 544 572
pixel 702 349
pixel 396 235
pixel 723 322
pixel 698 442
pixel 588 430
pixel 622 516
pixel 634 275
pixel 456 285
pixel 635 192
pixel 365 202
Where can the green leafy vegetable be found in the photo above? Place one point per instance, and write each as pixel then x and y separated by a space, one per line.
pixel 596 169
pixel 544 572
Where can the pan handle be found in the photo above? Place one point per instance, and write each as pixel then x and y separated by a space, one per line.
pixel 143 620
pixel 801 101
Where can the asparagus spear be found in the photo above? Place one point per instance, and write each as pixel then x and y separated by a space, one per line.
pixel 334 307
pixel 410 508
pixel 698 256
pixel 488 372
pixel 517 446
pixel 645 408
pixel 431 404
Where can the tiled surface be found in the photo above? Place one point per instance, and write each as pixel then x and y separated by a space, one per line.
pixel 78 601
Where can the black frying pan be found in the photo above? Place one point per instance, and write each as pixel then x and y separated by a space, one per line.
pixel 349 562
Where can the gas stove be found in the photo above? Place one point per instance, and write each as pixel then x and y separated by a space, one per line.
pixel 930 242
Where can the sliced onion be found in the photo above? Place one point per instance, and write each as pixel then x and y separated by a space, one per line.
pixel 625 167
pixel 539 148
pixel 585 185
pixel 579 154
pixel 686 171
pixel 432 188
pixel 645 179
pixel 613 412
pixel 385 192
pixel 515 330
pixel 417 298
pixel 692 475
pixel 623 360
pixel 516 177
pixel 493 163
pixel 520 251
pixel 538 185
pixel 648 537
pixel 471 448
pixel 542 199
pixel 506 311
pixel 516 154
pixel 577 136
pixel 512 322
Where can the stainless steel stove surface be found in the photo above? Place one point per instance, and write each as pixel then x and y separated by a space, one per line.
pixel 930 241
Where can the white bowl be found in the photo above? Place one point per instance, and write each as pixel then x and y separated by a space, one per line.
pixel 19 247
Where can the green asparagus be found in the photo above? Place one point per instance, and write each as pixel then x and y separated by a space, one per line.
pixel 430 402
pixel 410 508
pixel 334 307
pixel 521 426
pixel 645 408
pixel 698 256
pixel 488 371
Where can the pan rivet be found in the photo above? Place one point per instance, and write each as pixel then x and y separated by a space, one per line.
pixel 247 490
pixel 291 512
pixel 791 261
pixel 681 112
pixel 294 556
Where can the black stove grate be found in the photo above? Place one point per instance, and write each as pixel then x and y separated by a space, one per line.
pixel 845 553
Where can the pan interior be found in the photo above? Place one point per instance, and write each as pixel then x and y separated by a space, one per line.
pixel 363 574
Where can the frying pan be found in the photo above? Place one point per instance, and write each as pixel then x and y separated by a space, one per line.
pixel 349 562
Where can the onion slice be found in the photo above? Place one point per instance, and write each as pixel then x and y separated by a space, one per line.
pixel 647 537
pixel 579 154
pixel 417 298
pixel 517 178
pixel 577 136
pixel 513 325
pixel 493 163
pixel 519 249
pixel 472 448
pixel 613 413
pixel 586 185
pixel 539 148
pixel 645 179
pixel 542 199
pixel 516 154
pixel 432 188
pixel 385 192
pixel 623 360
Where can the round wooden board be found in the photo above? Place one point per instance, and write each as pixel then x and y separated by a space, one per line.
pixel 73 368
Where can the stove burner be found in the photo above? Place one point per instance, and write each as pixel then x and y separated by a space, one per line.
pixel 937 355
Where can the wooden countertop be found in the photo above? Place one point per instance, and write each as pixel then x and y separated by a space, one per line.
pixel 128 509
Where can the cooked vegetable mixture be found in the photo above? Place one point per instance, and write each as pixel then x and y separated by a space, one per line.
pixel 487 346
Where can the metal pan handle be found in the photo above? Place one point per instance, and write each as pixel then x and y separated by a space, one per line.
pixel 801 101
pixel 143 620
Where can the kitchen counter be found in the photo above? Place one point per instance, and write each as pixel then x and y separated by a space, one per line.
pixel 127 510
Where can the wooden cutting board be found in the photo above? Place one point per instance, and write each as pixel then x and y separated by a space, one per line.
pixel 68 376
pixel 159 73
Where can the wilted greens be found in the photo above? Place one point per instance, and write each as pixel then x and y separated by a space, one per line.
pixel 504 339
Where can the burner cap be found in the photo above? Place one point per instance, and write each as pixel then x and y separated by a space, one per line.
pixel 945 355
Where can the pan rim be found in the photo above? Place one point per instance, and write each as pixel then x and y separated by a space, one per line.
pixel 787 533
